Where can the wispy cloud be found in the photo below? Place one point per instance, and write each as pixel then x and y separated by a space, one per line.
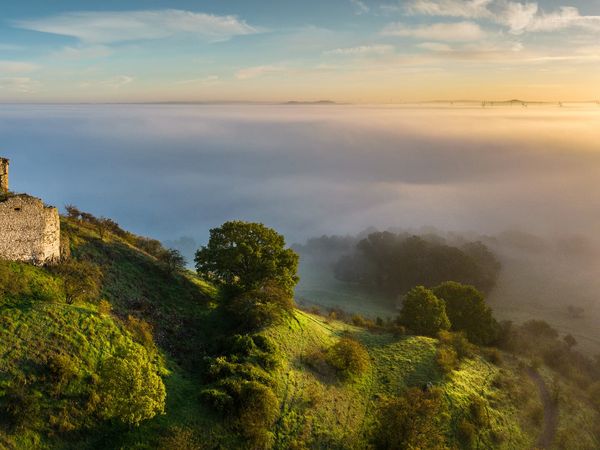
pixel 457 31
pixel 518 17
pixel 9 67
pixel 119 26
pixel 521 18
pixel 361 50
pixel 257 71
pixel 360 7
pixel 450 8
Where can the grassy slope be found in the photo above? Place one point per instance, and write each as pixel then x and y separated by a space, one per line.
pixel 315 407
pixel 338 414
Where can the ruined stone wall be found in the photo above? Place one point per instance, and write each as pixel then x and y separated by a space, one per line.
pixel 29 230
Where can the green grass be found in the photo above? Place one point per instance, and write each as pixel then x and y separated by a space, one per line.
pixel 317 410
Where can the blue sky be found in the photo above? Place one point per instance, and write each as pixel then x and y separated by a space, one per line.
pixel 258 50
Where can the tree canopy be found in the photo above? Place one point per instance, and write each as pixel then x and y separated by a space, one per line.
pixel 467 310
pixel 244 256
pixel 423 312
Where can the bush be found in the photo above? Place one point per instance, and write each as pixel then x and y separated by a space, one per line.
pixel 348 357
pixel 423 312
pixel 467 433
pixel 81 280
pixel 411 421
pixel 179 438
pixel 447 359
pixel 259 408
pixel 130 388
pixel 217 399
pixel 18 406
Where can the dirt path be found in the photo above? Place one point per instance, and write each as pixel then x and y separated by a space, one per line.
pixel 550 411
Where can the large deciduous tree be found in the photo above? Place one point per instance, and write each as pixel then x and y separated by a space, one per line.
pixel 244 256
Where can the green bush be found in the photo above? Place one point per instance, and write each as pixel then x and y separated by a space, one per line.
pixel 130 388
pixel 259 408
pixel 447 359
pixel 179 438
pixel 411 421
pixel 19 406
pixel 348 357
pixel 217 399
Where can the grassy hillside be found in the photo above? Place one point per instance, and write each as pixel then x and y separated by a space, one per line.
pixel 56 357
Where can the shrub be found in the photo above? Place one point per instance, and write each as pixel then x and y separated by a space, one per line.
pixel 81 280
pixel 259 409
pixel 594 394
pixel 411 421
pixel 104 307
pixel 141 332
pixel 467 433
pixel 171 260
pixel 358 320
pixel 61 369
pixel 217 399
pixel 423 312
pixel 130 388
pixel 179 438
pixel 348 357
pixel 447 359
pixel 18 406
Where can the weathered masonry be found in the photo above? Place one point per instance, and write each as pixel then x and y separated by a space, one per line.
pixel 29 230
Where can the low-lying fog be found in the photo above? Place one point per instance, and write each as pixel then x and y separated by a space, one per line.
pixel 177 170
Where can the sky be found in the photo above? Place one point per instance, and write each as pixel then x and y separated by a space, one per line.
pixel 359 51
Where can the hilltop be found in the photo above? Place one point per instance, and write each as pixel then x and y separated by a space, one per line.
pixel 114 348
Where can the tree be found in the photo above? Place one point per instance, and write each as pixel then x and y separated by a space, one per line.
pixel 423 312
pixel 172 260
pixel 244 256
pixel 259 307
pixel 81 280
pixel 468 312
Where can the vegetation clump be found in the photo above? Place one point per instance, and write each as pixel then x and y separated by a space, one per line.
pixel 348 357
pixel 423 312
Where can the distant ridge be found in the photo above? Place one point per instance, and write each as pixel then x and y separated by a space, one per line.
pixel 318 102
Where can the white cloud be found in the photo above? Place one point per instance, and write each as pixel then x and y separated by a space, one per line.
pixel 118 26
pixel 16 67
pixel 459 31
pixel 360 7
pixel 527 17
pixel 257 71
pixel 23 85
pixel 362 50
pixel 450 8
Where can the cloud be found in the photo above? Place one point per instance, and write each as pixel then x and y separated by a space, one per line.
pixel 516 16
pixel 459 31
pixel 16 67
pixel 360 7
pixel 257 71
pixel 23 85
pixel 450 8
pixel 362 50
pixel 119 26
pixel 521 18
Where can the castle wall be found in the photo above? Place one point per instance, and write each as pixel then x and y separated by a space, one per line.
pixel 29 230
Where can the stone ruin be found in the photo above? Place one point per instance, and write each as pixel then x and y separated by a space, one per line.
pixel 29 230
